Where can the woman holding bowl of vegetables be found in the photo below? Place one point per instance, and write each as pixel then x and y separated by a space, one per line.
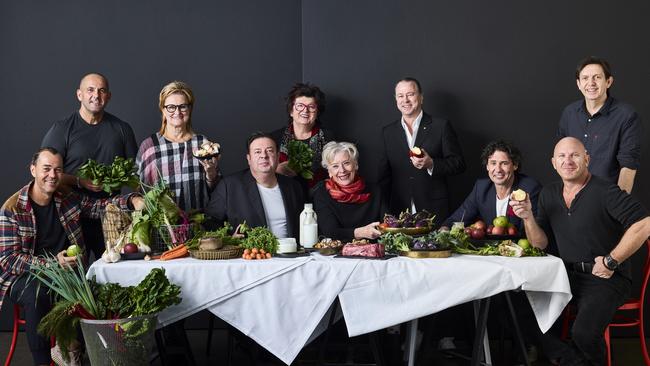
pixel 347 207
pixel 305 104
pixel 171 153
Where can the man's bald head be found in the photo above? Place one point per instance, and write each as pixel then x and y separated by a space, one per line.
pixel 569 142
pixel 93 94
pixel 570 160
pixel 93 75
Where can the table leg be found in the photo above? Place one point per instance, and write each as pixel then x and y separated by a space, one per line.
pixel 515 323
pixel 411 340
pixel 481 340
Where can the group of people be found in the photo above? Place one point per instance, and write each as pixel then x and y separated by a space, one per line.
pixel 596 157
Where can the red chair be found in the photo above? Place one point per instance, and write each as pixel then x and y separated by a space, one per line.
pixel 627 319
pixel 18 321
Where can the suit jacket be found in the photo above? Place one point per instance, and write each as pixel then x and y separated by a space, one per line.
pixel 401 181
pixel 236 198
pixel 481 202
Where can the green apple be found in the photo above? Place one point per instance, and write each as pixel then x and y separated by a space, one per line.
pixel 73 250
pixel 500 221
pixel 524 243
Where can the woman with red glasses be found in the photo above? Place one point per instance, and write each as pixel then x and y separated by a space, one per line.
pixel 305 104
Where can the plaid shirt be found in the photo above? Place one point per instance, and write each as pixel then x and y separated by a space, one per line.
pixel 18 239
pixel 174 163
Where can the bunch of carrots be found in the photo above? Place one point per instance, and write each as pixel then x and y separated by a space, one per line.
pixel 179 251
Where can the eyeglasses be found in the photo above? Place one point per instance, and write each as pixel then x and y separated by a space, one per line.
pixel 171 108
pixel 299 107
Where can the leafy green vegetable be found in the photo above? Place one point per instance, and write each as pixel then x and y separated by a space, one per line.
pixel 163 213
pixel 300 158
pixel 154 293
pixel 139 231
pixel 396 242
pixel 197 217
pixel 115 299
pixel 122 172
pixel 261 238
pixel 59 323
pixel 459 242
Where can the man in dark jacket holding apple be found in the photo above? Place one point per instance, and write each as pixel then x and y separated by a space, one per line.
pixel 418 154
pixel 490 196
pixel 596 227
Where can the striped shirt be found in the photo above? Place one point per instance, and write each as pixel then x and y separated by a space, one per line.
pixel 18 236
pixel 174 163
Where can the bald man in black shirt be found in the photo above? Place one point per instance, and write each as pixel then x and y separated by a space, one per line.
pixel 596 227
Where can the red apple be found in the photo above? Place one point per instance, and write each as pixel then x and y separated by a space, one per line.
pixel 512 230
pixel 478 234
pixel 416 152
pixel 130 248
pixel 480 224
pixel 489 229
pixel 468 230
pixel 498 230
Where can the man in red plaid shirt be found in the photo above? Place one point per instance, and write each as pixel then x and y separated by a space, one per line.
pixel 41 220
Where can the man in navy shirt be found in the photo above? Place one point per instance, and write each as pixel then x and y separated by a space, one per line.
pixel 609 128
pixel 596 227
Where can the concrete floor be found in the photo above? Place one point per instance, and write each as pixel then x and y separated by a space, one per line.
pixel 626 352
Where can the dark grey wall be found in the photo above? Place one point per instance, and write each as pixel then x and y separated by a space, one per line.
pixel 498 69
pixel 240 57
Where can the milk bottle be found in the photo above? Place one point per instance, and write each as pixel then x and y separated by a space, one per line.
pixel 308 227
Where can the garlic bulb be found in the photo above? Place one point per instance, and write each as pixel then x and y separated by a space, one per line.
pixel 110 256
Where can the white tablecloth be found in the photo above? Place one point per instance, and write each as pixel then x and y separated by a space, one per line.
pixel 280 302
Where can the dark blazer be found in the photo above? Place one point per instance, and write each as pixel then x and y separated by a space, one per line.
pixel 236 198
pixel 481 202
pixel 401 181
pixel 338 220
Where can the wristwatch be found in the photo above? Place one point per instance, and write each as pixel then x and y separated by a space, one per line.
pixel 610 263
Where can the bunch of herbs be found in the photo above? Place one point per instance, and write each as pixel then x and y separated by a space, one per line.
pixel 300 158
pixel 122 172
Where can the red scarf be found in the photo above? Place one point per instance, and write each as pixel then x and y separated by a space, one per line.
pixel 348 194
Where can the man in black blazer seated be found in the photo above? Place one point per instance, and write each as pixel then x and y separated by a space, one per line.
pixel 258 195
pixel 491 195
pixel 418 183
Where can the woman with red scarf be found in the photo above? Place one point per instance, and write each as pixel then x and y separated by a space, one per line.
pixel 346 206
pixel 305 104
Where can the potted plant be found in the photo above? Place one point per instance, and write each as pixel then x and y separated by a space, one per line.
pixel 117 322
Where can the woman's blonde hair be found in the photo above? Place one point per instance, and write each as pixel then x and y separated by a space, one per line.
pixel 332 148
pixel 175 87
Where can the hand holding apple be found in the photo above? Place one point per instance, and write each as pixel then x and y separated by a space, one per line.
pixel 523 209
pixel 66 261
pixel 421 160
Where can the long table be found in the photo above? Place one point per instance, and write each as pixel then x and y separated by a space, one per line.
pixel 280 303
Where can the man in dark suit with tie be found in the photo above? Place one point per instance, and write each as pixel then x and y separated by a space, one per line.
pixel 418 182
pixel 257 195
pixel 491 195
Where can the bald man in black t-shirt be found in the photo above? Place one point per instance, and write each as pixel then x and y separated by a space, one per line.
pixel 90 133
pixel 596 227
